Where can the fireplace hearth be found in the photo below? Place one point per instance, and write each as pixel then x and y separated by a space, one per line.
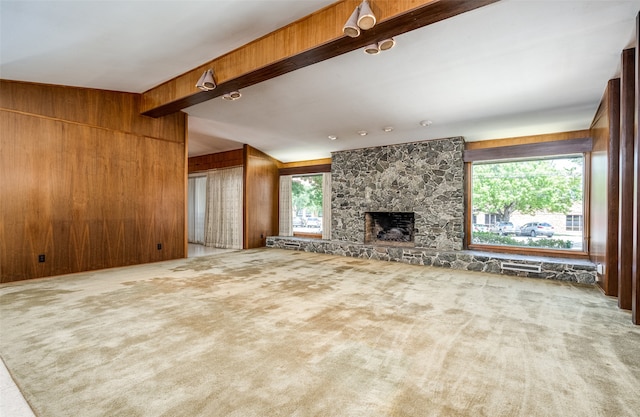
pixel 389 228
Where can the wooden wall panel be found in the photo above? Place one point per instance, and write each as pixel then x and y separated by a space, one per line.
pixel 86 192
pixel 261 180
pixel 605 175
pixel 625 239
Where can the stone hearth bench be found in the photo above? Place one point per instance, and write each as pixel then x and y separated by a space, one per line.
pixel 562 269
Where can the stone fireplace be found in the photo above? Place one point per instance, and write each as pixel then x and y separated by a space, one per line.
pixel 419 182
pixel 389 228
pixel 424 178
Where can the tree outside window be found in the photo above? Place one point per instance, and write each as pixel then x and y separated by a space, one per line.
pixel 306 201
pixel 528 202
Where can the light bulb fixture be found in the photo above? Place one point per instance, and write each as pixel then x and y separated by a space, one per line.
pixel 386 44
pixel 366 18
pixel 363 132
pixel 372 49
pixel 361 18
pixel 234 95
pixel 426 123
pixel 388 129
pixel 332 137
pixel 351 27
pixel 206 81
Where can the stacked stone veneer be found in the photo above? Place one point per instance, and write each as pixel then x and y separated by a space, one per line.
pixel 572 270
pixel 426 178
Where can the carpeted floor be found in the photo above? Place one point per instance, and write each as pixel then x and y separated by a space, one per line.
pixel 283 333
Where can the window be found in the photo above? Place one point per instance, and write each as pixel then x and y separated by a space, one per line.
pixel 574 223
pixel 305 205
pixel 525 202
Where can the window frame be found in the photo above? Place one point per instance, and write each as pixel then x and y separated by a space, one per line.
pixel 302 169
pixel 530 150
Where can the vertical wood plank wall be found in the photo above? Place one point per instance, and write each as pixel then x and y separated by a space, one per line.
pixel 261 187
pixel 605 176
pixel 86 181
pixel 625 240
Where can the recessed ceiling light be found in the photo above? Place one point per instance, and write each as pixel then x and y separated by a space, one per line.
pixel 388 129
pixel 362 132
pixel 426 123
pixel 332 137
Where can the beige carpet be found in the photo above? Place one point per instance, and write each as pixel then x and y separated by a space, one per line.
pixel 283 333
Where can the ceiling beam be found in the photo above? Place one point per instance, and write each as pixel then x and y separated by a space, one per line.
pixel 310 40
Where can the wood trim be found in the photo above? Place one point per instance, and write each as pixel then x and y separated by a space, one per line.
pixel 302 170
pixel 561 147
pixel 613 190
pixel 523 140
pixel 312 162
pixel 310 40
pixel 218 160
pixel 635 300
pixel 625 241
pixel 308 235
pixel 467 204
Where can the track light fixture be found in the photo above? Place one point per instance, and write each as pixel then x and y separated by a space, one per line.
pixel 376 48
pixel 386 44
pixel 351 27
pixel 206 82
pixel 366 18
pixel 372 49
pixel 361 18
pixel 234 95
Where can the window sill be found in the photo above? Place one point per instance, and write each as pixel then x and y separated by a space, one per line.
pixel 554 253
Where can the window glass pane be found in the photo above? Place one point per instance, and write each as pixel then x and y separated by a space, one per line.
pixel 529 203
pixel 306 202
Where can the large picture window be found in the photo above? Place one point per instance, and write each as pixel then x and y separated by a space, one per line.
pixel 529 203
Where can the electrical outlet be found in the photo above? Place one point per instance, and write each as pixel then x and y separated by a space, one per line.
pixel 159 246
pixel 41 258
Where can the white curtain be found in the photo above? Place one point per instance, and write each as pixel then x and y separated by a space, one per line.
pixel 285 208
pixel 326 206
pixel 197 204
pixel 223 219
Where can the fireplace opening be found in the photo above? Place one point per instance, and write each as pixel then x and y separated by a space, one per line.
pixel 389 228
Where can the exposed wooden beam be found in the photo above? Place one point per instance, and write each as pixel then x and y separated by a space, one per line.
pixel 307 41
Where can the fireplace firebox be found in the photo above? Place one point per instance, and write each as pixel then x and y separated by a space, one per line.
pixel 389 228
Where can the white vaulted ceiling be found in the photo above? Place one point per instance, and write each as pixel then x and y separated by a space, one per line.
pixel 513 68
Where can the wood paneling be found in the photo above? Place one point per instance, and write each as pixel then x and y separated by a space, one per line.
pixel 605 177
pixel 86 181
pixel 261 187
pixel 310 40
pixel 625 240
pixel 216 161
